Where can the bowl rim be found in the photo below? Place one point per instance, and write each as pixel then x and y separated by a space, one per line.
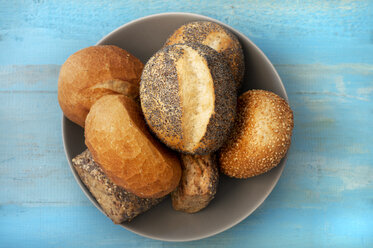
pixel 263 197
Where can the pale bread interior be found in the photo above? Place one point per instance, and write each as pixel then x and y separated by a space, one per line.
pixel 197 96
pixel 219 41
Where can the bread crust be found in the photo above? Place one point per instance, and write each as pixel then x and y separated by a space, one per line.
pixel 118 204
pixel 161 100
pixel 117 136
pixel 216 37
pixel 92 73
pixel 261 135
pixel 198 183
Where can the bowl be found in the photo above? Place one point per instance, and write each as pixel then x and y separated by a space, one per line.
pixel 236 199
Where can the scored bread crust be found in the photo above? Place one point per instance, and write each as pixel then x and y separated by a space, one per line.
pixel 261 135
pixel 216 37
pixel 161 98
pixel 117 137
pixel 198 183
pixel 92 73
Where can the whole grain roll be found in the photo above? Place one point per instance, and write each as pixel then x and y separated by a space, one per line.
pixel 92 73
pixel 117 137
pixel 261 135
pixel 216 37
pixel 118 204
pixel 188 98
pixel 198 184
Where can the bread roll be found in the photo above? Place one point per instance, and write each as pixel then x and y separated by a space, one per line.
pixel 261 136
pixel 92 73
pixel 118 204
pixel 216 37
pixel 188 97
pixel 117 136
pixel 198 183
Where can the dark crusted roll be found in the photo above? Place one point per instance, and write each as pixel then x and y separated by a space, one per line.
pixel 118 204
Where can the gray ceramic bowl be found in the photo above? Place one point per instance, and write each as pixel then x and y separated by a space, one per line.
pixel 236 199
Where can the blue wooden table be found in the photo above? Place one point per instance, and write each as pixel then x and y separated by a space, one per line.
pixel 323 52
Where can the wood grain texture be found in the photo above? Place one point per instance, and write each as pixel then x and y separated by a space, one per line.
pixel 323 51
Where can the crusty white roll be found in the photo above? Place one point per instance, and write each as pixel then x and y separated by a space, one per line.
pixel 92 73
pixel 188 97
pixel 216 37
pixel 117 137
pixel 261 136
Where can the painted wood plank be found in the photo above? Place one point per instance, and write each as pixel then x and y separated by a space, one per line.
pixel 41 32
